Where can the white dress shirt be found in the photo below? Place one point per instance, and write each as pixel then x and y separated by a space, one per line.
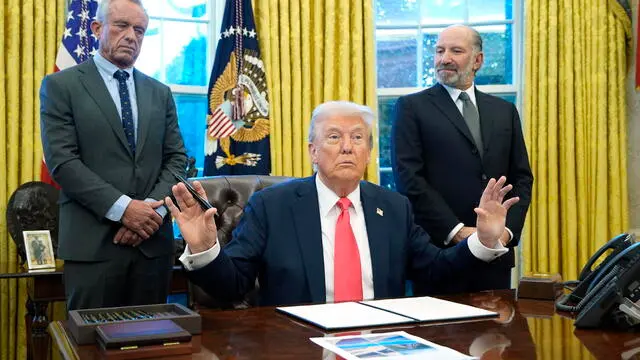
pixel 455 96
pixel 329 212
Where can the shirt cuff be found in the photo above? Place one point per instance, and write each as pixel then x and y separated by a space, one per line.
pixel 482 252
pixel 117 209
pixel 453 233
pixel 197 261
pixel 510 235
pixel 161 210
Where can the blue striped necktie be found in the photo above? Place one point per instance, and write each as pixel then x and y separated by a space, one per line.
pixel 125 104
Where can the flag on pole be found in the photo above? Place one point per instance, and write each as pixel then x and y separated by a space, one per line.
pixel 78 44
pixel 237 131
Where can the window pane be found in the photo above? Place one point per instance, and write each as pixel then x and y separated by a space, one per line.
pixel 442 11
pixel 429 40
pixel 187 9
pixel 397 12
pixel 149 60
pixel 386 106
pixel 185 53
pixel 386 179
pixel 153 7
pixel 490 10
pixel 498 55
pixel 397 58
pixel 192 117
pixel 192 9
pixel 509 97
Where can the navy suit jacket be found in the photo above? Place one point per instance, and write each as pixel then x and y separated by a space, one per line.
pixel 437 166
pixel 279 241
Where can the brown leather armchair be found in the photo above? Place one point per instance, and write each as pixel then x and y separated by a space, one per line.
pixel 229 194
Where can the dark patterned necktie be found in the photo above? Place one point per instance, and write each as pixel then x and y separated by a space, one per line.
pixel 472 118
pixel 125 104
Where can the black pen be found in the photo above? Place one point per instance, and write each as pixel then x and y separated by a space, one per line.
pixel 204 203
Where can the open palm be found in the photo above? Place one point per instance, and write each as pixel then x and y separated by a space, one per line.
pixel 492 211
pixel 196 225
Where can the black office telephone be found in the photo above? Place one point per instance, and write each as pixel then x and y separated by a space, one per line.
pixel 609 294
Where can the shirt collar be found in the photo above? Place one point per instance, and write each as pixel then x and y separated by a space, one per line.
pixel 327 199
pixel 455 92
pixel 109 68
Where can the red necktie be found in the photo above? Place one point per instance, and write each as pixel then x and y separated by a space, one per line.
pixel 347 272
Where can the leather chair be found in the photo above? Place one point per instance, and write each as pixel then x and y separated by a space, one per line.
pixel 229 194
pixel 33 206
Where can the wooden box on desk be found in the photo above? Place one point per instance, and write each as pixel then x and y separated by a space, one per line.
pixel 85 332
pixel 143 339
pixel 540 286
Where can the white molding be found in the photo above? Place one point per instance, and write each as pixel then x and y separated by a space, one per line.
pixel 409 26
pixel 178 19
pixel 189 89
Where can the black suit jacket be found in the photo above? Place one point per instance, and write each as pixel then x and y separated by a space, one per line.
pixel 437 166
pixel 279 241
pixel 86 149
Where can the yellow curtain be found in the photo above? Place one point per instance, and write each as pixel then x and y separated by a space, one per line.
pixel 575 116
pixel 29 36
pixel 314 51
pixel 554 338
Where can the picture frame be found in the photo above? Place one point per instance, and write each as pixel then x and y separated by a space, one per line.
pixel 39 249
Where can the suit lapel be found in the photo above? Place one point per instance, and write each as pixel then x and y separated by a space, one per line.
pixel 305 211
pixel 95 87
pixel 143 98
pixel 486 121
pixel 443 101
pixel 378 237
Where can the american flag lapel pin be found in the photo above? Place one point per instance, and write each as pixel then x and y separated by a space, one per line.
pixel 379 212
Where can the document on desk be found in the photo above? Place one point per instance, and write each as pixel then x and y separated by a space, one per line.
pixel 346 315
pixel 350 315
pixel 387 346
pixel 430 309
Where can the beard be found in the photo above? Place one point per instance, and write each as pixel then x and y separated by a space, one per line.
pixel 456 79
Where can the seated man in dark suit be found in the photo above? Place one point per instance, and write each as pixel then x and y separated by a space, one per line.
pixel 331 237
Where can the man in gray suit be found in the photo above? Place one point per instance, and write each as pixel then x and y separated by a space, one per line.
pixel 110 137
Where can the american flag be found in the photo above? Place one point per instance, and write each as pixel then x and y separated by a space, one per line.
pixel 78 44
pixel 219 125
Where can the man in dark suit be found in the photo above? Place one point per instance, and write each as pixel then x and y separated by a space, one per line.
pixel 110 136
pixel 448 141
pixel 331 237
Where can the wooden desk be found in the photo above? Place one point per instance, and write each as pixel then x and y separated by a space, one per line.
pixel 47 287
pixel 525 330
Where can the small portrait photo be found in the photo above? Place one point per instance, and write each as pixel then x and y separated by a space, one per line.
pixel 39 249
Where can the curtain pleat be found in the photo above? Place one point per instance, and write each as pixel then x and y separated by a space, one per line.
pixel 314 51
pixel 29 37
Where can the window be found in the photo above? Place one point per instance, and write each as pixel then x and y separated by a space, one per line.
pixel 178 50
pixel 406 34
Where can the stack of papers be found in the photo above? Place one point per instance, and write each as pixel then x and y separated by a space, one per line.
pixel 350 315
pixel 387 346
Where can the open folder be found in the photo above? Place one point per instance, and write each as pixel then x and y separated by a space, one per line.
pixel 349 315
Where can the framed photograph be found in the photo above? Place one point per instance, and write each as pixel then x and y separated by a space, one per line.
pixel 39 249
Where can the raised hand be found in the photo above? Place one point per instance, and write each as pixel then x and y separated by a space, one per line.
pixel 196 225
pixel 492 211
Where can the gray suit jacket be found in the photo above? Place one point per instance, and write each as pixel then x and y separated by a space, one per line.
pixel 87 153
